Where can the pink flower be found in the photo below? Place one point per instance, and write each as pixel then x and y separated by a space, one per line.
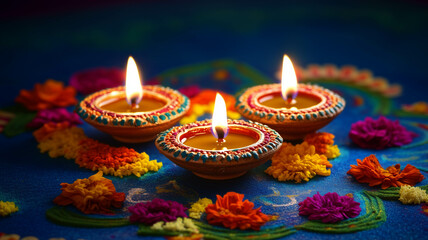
pixel 190 91
pixel 379 134
pixel 56 115
pixel 96 79
pixel 329 208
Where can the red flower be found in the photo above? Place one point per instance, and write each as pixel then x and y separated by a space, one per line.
pixel 370 171
pixel 48 95
pixel 231 212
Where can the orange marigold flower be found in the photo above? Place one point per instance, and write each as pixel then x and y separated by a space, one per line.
pixel 117 161
pixel 231 212
pixel 321 141
pixel 93 154
pixel 48 128
pixel 95 194
pixel 47 95
pixel 370 171
pixel 207 96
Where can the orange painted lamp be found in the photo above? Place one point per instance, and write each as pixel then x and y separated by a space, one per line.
pixel 133 113
pixel 219 148
pixel 294 110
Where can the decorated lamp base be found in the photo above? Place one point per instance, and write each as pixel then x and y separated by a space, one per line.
pixel 219 164
pixel 134 126
pixel 291 122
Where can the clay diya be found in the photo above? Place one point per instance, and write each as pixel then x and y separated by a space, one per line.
pixel 221 148
pixel 133 113
pixel 294 110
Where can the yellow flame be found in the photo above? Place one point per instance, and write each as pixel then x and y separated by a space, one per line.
pixel 288 80
pixel 219 120
pixel 133 86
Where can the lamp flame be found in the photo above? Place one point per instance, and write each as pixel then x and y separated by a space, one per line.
pixel 288 80
pixel 133 86
pixel 219 121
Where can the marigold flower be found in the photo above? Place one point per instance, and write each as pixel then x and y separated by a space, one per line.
pixel 329 208
pixel 95 194
pixel 370 171
pixel 48 129
pixel 155 211
pixel 202 102
pixel 47 95
pixel 197 208
pixel 61 141
pixel 96 79
pixel 379 134
pixel 117 161
pixel 412 195
pixel 6 208
pixel 297 163
pixel 232 212
pixel 320 140
pixel 178 225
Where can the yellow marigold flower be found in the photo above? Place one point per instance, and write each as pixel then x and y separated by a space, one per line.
pixel 198 207
pixel 188 119
pixel 233 115
pixel 141 166
pixel 332 152
pixel 412 195
pixel 6 208
pixel 64 142
pixel 179 225
pixel 297 163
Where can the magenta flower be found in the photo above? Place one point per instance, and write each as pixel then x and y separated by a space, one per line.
pixel 96 79
pixel 156 210
pixel 379 134
pixel 55 115
pixel 190 91
pixel 329 208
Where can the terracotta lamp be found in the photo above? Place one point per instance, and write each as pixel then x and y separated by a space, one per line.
pixel 219 148
pixel 294 110
pixel 133 113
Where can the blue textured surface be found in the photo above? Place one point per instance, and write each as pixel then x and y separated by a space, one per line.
pixel 388 38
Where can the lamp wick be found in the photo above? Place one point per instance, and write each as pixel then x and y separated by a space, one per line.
pixel 134 104
pixel 220 134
